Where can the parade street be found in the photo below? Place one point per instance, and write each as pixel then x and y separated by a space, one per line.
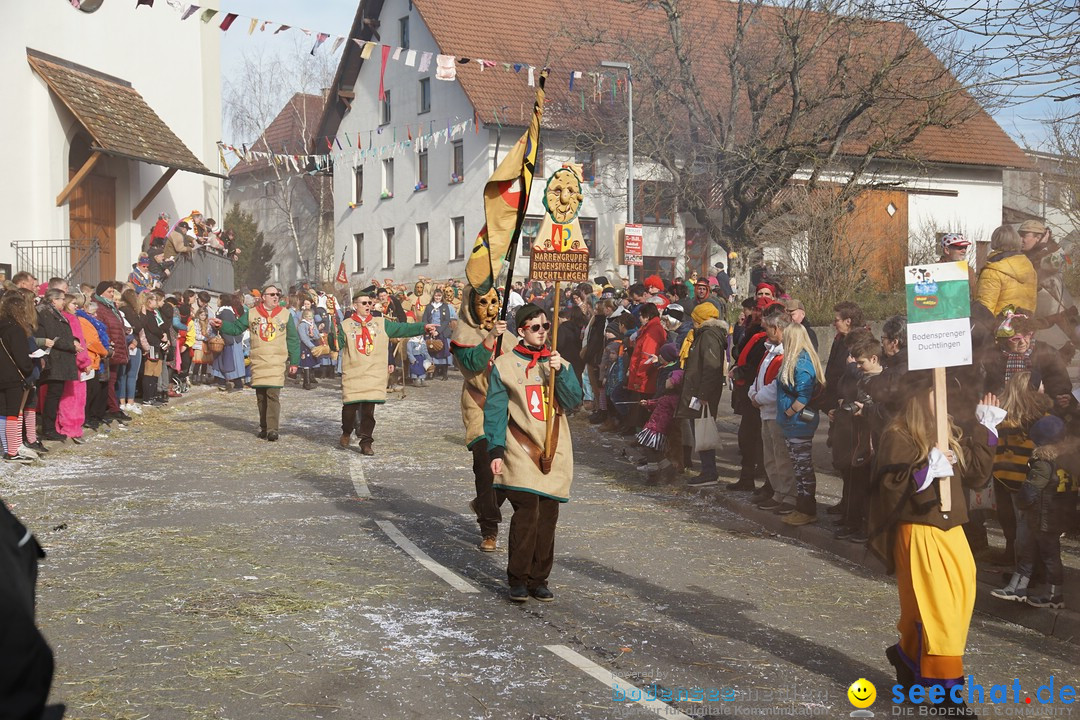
pixel 206 574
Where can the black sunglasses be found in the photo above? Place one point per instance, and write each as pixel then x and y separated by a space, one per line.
pixel 536 327
pixel 271 294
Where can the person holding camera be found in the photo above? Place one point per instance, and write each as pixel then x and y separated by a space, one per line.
pixel 801 378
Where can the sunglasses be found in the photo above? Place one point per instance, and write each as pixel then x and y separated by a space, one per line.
pixel 271 294
pixel 537 327
pixel 363 302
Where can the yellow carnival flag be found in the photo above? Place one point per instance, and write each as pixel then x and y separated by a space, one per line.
pixel 506 196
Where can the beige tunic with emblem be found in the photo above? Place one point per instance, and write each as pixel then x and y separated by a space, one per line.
pixel 363 365
pixel 269 347
pixel 525 402
pixel 474 389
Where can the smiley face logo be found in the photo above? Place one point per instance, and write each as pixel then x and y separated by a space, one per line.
pixel 862 693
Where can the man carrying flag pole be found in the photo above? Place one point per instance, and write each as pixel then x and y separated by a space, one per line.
pixel 479 336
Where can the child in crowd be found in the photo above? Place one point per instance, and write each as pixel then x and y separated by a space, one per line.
pixel 1023 405
pixel 419 359
pixel 654 435
pixel 853 450
pixel 1041 506
pixel 309 340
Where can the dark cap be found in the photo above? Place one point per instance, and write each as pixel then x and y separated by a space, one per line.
pixel 527 311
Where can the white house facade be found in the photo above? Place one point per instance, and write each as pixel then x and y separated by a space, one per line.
pixel 110 105
pixel 405 212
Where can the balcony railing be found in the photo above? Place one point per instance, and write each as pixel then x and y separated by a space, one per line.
pixel 201 270
pixel 74 259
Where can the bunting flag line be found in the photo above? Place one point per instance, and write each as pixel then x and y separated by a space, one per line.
pixel 506 196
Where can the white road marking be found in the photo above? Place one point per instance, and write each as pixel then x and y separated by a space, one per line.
pixel 454 580
pixel 605 676
pixel 356 472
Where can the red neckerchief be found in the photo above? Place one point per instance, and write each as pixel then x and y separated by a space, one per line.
pixel 365 333
pixel 534 355
pixel 261 309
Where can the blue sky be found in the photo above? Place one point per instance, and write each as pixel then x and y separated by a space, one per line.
pixel 335 17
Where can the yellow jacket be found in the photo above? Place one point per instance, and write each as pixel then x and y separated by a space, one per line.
pixel 1008 279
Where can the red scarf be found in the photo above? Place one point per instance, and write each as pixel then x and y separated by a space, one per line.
pixel 365 333
pixel 534 355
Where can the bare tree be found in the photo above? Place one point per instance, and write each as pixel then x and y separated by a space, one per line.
pixel 740 100
pixel 266 86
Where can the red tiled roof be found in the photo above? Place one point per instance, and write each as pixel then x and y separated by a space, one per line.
pixel 506 33
pixel 115 114
pixel 291 132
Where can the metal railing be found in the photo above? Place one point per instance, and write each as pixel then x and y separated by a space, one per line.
pixel 74 259
pixel 201 269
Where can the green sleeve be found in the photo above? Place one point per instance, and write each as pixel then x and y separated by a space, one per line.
pixel 341 337
pixel 473 359
pixel 496 414
pixel 235 327
pixel 292 339
pixel 403 330
pixel 567 388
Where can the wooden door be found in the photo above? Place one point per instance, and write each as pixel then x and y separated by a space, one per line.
pixel 92 214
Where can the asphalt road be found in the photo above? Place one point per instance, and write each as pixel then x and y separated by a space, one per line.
pixel 197 572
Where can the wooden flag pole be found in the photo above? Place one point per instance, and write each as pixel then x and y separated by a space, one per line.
pixel 550 409
pixel 941 419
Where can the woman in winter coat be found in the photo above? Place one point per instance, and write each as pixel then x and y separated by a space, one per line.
pixel 1008 278
pixel 97 345
pixel 925 545
pixel 309 340
pixel 800 377
pixel 641 377
pixel 155 346
pixel 17 324
pixel 129 374
pixel 71 412
pixel 60 366
pixel 443 315
pixel 703 385
pixel 228 366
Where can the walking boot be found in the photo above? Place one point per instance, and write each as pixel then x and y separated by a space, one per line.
pixel 344 441
pixel 306 374
pixel 743 484
pixel 365 447
pixel 1016 590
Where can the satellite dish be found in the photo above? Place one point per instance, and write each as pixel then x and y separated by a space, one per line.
pixel 89 6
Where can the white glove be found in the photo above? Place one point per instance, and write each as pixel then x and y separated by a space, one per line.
pixel 939 467
pixel 990 417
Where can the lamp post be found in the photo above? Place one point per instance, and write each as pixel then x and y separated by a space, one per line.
pixel 629 142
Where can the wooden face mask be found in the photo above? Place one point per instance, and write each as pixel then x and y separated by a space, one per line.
pixel 486 308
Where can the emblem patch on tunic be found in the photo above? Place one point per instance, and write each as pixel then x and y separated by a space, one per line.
pixel 265 329
pixel 534 399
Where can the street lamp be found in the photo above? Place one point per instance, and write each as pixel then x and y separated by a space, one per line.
pixel 629 135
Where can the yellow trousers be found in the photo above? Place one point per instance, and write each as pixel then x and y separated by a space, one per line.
pixel 935 576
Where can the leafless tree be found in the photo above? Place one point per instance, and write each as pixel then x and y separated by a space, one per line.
pixel 266 86
pixel 736 101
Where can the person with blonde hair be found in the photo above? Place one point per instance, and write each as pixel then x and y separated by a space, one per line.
pixel 1008 278
pixel 801 377
pixel 923 544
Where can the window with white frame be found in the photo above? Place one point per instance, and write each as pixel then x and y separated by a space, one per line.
pixel 388 178
pixel 275 272
pixel 358 252
pixel 457 174
pixel 421 170
pixel 358 186
pixel 529 228
pixel 388 248
pixel 458 233
pixel 422 244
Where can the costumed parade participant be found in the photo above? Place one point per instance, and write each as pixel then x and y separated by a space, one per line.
pixel 364 342
pixel 924 544
pixel 475 341
pixel 274 340
pixel 518 405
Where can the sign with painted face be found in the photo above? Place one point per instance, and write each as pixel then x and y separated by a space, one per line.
pixel 939 315
pixel 560 250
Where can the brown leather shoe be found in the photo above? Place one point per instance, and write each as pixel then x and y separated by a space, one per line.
pixel 488 544
pixel 344 441
pixel 365 448
pixel 799 518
